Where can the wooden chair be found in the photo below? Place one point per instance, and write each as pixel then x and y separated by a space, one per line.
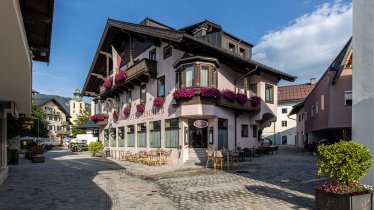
pixel 210 158
pixel 167 157
pixel 235 158
pixel 218 162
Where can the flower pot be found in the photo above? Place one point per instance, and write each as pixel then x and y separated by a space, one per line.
pixel 332 201
pixel 37 159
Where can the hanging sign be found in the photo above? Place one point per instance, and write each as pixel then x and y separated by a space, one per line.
pixel 200 124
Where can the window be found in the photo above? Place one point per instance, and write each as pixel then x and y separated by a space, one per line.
pixel 128 97
pixel 167 51
pixel 121 137
pixel 254 130
pixel 189 76
pixel 317 104
pixel 130 136
pixel 142 135
pixel 242 52
pixel 172 132
pixel 143 97
pixel 50 117
pixel 73 105
pixel 284 123
pixel 161 86
pixel 312 111
pixel 155 134
pixel 113 137
pixel 222 133
pixel 253 88
pixel 152 54
pixel 244 130
pixel 106 138
pixel 299 117
pixel 55 118
pixel 232 48
pixel 80 105
pixel 204 76
pixel 284 110
pixel 348 98
pixel 269 94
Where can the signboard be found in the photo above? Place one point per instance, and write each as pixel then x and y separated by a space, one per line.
pixel 200 124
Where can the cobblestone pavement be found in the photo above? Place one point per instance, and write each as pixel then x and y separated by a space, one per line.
pixel 78 181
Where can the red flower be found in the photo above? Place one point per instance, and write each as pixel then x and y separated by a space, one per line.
pixel 241 98
pixel 159 101
pixel 98 117
pixel 108 83
pixel 255 101
pixel 186 93
pixel 126 111
pixel 115 116
pixel 120 76
pixel 229 95
pixel 208 92
pixel 140 108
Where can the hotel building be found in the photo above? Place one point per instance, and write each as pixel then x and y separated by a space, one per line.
pixel 183 89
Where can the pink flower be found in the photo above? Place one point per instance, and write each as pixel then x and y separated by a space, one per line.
pixel 115 116
pixel 208 92
pixel 186 93
pixel 241 98
pixel 108 83
pixel 140 108
pixel 98 117
pixel 126 111
pixel 159 101
pixel 255 101
pixel 120 76
pixel 229 95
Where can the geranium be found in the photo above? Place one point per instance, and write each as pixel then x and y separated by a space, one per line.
pixel 255 100
pixel 159 101
pixel 126 111
pixel 140 108
pixel 186 93
pixel 108 83
pixel 339 188
pixel 115 116
pixel 120 76
pixel 229 95
pixel 208 92
pixel 241 98
pixel 98 117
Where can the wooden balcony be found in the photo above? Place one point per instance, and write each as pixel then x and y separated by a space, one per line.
pixel 197 99
pixel 135 75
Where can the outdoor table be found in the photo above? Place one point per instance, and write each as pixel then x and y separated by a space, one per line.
pixel 160 153
pixel 241 156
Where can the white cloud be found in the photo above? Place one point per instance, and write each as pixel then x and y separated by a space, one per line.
pixel 307 46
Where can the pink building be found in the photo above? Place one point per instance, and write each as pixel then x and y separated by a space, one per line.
pixel 172 95
pixel 327 111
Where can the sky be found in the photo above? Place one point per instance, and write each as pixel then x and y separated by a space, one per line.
pixel 300 37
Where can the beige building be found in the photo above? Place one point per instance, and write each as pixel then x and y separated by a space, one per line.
pixel 57 117
pixel 76 105
pixel 25 36
pixel 170 97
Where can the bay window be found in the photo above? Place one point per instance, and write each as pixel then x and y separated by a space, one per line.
pixel 189 76
pixel 196 75
pixel 204 74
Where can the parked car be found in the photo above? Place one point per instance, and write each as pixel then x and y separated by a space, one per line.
pixel 327 141
pixel 265 142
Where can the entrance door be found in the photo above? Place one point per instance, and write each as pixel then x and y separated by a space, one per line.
pixel 284 139
pixel 198 137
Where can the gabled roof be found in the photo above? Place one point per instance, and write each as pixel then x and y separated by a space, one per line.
pixel 294 92
pixel 339 63
pixel 296 108
pixel 88 124
pixel 180 39
pixel 41 101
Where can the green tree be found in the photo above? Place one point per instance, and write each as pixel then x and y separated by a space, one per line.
pixel 83 117
pixel 38 117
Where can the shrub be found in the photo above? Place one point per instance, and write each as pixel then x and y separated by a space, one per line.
pixel 208 92
pixel 95 147
pixel 241 98
pixel 229 95
pixel 255 101
pixel 140 108
pixel 108 83
pixel 345 163
pixel 159 101
pixel 126 111
pixel 120 76
pixel 186 93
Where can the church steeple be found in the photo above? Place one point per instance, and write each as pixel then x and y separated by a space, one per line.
pixel 77 95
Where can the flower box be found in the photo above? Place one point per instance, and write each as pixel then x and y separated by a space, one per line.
pixel 185 93
pixel 334 201
pixel 140 108
pixel 120 76
pixel 126 111
pixel 158 102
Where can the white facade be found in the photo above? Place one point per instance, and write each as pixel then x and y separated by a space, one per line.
pixel 363 75
pixel 76 106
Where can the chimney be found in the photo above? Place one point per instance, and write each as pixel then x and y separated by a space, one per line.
pixel 313 81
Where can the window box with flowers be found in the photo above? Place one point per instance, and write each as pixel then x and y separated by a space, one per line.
pixel 140 108
pixel 255 101
pixel 108 83
pixel 120 76
pixel 185 93
pixel 158 102
pixel 115 116
pixel 344 168
pixel 126 111
pixel 100 119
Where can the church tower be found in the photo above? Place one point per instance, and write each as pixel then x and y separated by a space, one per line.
pixel 76 105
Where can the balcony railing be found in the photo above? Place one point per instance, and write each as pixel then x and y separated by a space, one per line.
pixel 52 112
pixel 64 123
pixel 62 132
pixel 135 74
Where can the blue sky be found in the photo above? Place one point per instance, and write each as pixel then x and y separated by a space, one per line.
pixel 300 37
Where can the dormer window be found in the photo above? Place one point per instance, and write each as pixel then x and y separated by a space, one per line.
pixel 242 52
pixel 232 48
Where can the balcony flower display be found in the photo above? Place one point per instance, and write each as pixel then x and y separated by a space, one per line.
pixel 208 92
pixel 108 83
pixel 255 101
pixel 158 102
pixel 98 117
pixel 126 111
pixel 120 76
pixel 186 93
pixel 229 95
pixel 140 108
pixel 241 98
pixel 115 115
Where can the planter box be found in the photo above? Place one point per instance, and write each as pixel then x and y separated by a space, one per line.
pixel 36 159
pixel 332 201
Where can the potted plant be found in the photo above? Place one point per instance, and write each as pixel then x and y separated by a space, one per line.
pixel 95 147
pixel 229 95
pixel 345 163
pixel 115 116
pixel 37 154
pixel 120 76
pixel 140 108
pixel 208 92
pixel 127 110
pixel 108 83
pixel 241 98
pixel 185 93
pixel 158 102
pixel 255 100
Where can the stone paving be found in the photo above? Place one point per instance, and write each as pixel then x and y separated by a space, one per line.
pixel 78 181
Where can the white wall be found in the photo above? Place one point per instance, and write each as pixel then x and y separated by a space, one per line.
pixel 363 75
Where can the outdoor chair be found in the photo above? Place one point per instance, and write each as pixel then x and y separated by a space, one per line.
pixel 210 158
pixel 167 157
pixel 258 152
pixel 248 153
pixel 153 158
pixel 218 162
pixel 235 158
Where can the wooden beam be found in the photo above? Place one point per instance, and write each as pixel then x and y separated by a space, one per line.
pixel 99 76
pixel 129 86
pixel 29 17
pixel 91 93
pixel 106 54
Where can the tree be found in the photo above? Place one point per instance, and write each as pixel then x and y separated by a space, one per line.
pixel 38 118
pixel 83 117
